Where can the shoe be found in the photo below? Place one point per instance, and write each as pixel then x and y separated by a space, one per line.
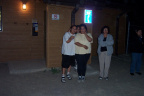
pixel 139 73
pixel 132 74
pixel 79 78
pixel 106 78
pixel 63 80
pixel 69 77
pixel 83 78
pixel 100 78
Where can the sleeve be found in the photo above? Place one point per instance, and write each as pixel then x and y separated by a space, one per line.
pixel 101 42
pixel 89 34
pixel 65 37
pixel 134 44
pixel 110 42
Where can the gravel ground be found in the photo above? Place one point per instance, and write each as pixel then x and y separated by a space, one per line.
pixel 45 83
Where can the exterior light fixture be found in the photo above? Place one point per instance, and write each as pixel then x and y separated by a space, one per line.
pixel 24 6
pixel 88 16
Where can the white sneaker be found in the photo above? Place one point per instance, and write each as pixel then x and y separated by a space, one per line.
pixel 79 79
pixel 100 78
pixel 69 77
pixel 83 78
pixel 63 80
pixel 106 78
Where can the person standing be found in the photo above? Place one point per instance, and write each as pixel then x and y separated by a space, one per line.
pixel 83 42
pixel 78 28
pixel 68 53
pixel 105 50
pixel 77 31
pixel 137 51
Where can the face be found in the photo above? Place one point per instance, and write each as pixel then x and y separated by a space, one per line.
pixel 139 32
pixel 78 29
pixel 105 31
pixel 73 30
pixel 83 30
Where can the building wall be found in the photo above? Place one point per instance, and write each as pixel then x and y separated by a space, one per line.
pixel 56 30
pixel 107 16
pixel 16 40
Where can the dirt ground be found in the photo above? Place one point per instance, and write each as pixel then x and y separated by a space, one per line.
pixel 45 83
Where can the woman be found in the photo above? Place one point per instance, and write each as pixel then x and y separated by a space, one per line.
pixel 105 50
pixel 137 51
pixel 68 52
pixel 78 28
pixel 77 31
pixel 83 42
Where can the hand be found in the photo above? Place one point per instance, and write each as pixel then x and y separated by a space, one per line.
pixel 72 37
pixel 85 47
pixel 105 35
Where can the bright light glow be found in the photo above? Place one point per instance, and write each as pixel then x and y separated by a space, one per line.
pixel 88 16
pixel 24 6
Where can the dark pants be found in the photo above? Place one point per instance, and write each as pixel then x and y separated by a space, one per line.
pixel 82 60
pixel 136 62
pixel 67 61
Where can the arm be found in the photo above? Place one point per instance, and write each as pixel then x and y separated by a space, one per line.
pixel 101 42
pixel 88 37
pixel 70 39
pixel 110 42
pixel 67 38
pixel 81 45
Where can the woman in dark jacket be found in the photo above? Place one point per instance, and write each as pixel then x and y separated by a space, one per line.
pixel 137 51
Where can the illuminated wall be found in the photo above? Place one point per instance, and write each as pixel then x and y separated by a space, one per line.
pixel 16 40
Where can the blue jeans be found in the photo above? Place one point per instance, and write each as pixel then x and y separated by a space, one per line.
pixel 136 62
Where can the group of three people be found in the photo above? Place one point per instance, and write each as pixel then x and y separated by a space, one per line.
pixel 77 46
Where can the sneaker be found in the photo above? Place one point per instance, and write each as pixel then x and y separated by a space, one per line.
pixel 132 74
pixel 79 79
pixel 63 80
pixel 106 78
pixel 139 73
pixel 83 78
pixel 69 77
pixel 100 78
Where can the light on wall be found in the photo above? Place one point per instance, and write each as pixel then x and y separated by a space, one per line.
pixel 88 16
pixel 24 6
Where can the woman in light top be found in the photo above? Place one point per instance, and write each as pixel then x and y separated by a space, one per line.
pixel 105 50
pixel 83 42
pixel 68 53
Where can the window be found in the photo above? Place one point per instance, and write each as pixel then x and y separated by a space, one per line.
pixel 0 18
pixel 88 16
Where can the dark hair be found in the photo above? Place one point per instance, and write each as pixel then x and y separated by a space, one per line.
pixel 72 27
pixel 137 29
pixel 77 26
pixel 83 25
pixel 104 28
